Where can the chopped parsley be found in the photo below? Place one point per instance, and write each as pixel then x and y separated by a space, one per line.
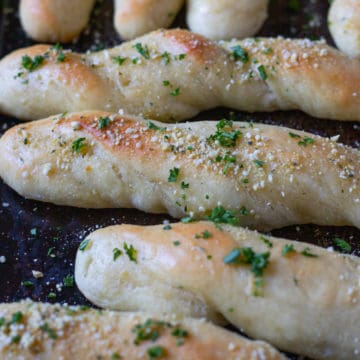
pixel 156 352
pixel 244 211
pixel 306 141
pixel 57 48
pixel 83 245
pixel 152 126
pixel 259 163
pixel 173 174
pixel 166 82
pixel 68 281
pixel 52 295
pixel 176 243
pixel 287 249
pixel 16 339
pixel 262 72
pixel 342 245
pixel 103 122
pixel 180 334
pixel 221 216
pixel 131 252
pixel 16 317
pixel 184 185
pixel 175 92
pixel 78 145
pixel 294 136
pixel 115 356
pixel 142 50
pixel 116 253
pixel 167 227
pixel 166 58
pixel 246 255
pixel 118 60
pixel 52 334
pixel 238 53
pixel 224 134
pixel 266 241
pixel 27 283
pixel 206 234
pixel 32 64
pixel 306 252
pixel 228 161
pixel 150 330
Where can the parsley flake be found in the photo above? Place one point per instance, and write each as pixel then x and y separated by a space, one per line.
pixel 142 50
pixel 103 122
pixel 118 60
pixel 175 92
pixel 262 72
pixel 78 145
pixel 32 64
pixel 131 252
pixel 68 281
pixel 306 252
pixel 221 216
pixel 287 249
pixel 238 53
pixel 116 253
pixel 84 244
pixel 173 174
pixel 342 245
pixel 224 134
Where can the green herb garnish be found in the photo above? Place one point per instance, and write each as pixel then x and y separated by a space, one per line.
pixel 116 253
pixel 84 244
pixel 103 122
pixel 143 51
pixel 131 252
pixel 238 53
pixel 32 64
pixel 221 216
pixel 78 145
pixel 343 245
pixel 173 174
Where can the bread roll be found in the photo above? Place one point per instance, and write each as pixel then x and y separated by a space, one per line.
pixel 226 19
pixel 344 24
pixel 264 176
pixel 299 297
pixel 54 20
pixel 50 332
pixel 173 75
pixel 133 18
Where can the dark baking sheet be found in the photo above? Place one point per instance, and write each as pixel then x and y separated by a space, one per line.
pixel 44 237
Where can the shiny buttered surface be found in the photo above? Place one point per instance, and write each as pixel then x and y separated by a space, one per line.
pixel 172 75
pixel 32 330
pixel 264 176
pixel 300 297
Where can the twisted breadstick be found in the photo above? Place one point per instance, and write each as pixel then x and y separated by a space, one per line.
pixel 43 331
pixel 308 299
pixel 344 24
pixel 265 176
pixel 54 20
pixel 174 74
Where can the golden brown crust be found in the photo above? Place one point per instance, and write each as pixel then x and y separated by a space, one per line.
pixel 268 177
pixel 200 74
pixel 301 301
pixel 43 331
pixel 54 20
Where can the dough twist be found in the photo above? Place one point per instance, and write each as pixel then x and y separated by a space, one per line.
pixel 344 24
pixel 299 297
pixel 174 74
pixel 43 331
pixel 264 176
pixel 59 20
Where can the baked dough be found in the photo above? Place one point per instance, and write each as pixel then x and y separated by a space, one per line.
pixel 305 304
pixel 61 20
pixel 344 24
pixel 133 18
pixel 43 331
pixel 54 20
pixel 174 74
pixel 268 176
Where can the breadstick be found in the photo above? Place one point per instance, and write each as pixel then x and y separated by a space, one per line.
pixel 42 331
pixel 344 24
pixel 301 298
pixel 134 18
pixel 174 74
pixel 226 19
pixel 54 20
pixel 263 176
